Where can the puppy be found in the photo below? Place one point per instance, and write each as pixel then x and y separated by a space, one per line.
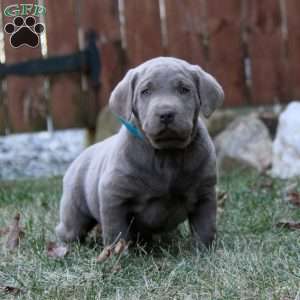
pixel 158 170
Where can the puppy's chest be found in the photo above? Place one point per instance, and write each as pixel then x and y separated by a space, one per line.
pixel 169 195
pixel 171 182
pixel 162 212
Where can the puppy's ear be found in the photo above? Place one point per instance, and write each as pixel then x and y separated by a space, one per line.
pixel 121 98
pixel 210 92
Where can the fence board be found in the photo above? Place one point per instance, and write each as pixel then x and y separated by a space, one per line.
pixel 143 30
pixel 107 27
pixel 26 105
pixel 62 39
pixel 266 50
pixel 275 64
pixel 185 30
pixel 293 20
pixel 225 51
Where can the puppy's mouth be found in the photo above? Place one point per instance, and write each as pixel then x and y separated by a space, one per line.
pixel 168 138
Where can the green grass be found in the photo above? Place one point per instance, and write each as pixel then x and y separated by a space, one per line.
pixel 252 259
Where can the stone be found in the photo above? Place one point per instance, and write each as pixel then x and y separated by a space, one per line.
pixel 246 142
pixel 42 154
pixel 286 146
pixel 220 120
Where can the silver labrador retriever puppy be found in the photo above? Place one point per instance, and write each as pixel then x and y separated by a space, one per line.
pixel 159 170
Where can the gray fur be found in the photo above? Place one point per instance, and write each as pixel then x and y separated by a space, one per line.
pixel 139 187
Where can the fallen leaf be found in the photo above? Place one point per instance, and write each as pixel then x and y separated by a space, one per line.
pixel 105 254
pixel 120 247
pixel 288 224
pixel 15 233
pixel 56 251
pixel 294 198
pixel 10 290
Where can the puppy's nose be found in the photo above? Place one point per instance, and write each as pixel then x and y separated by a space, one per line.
pixel 167 118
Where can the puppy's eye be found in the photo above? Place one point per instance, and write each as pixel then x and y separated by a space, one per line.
pixel 183 90
pixel 146 92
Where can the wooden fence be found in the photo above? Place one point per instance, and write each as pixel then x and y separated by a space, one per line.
pixel 251 46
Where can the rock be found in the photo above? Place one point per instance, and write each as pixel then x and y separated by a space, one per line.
pixel 286 147
pixel 107 125
pixel 219 120
pixel 40 154
pixel 245 143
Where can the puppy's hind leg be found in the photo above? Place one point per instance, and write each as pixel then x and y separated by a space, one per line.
pixel 74 224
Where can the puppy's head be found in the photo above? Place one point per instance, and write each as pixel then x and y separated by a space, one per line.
pixel 165 95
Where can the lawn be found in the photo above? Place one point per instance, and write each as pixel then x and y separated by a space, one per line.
pixel 252 259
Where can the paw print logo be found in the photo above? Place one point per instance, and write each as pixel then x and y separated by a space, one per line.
pixel 24 32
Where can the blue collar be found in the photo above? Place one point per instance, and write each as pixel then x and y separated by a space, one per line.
pixel 131 128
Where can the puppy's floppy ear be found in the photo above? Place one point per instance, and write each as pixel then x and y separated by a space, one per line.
pixel 210 92
pixel 121 98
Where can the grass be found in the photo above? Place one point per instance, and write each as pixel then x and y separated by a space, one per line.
pixel 252 258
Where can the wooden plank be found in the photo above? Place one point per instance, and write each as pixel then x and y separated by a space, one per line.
pixel 225 50
pixel 26 105
pixel 266 50
pixel 185 30
pixel 293 46
pixel 62 38
pixel 103 17
pixel 143 30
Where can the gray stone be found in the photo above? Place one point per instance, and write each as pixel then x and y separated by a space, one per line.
pixel 223 117
pixel 245 143
pixel 220 120
pixel 40 154
pixel 286 147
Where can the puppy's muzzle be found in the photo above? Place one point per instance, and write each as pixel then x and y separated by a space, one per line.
pixel 167 117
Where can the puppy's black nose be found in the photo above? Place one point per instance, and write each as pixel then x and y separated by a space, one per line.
pixel 167 118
